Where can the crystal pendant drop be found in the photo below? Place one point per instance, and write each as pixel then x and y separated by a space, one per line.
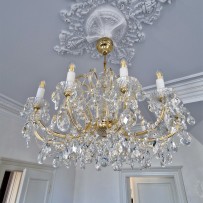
pixel 104 162
pixel 116 166
pixel 173 147
pixel 163 161
pixel 98 167
pixel 190 120
pixel 156 148
pixel 53 122
pixel 55 98
pixel 185 139
pixel 45 117
pixel 63 121
pixel 65 155
pixel 27 130
pixel 141 96
pixel 127 118
pixel 28 142
pixel 169 158
pixel 40 158
pixel 46 149
pixel 67 163
pixel 56 162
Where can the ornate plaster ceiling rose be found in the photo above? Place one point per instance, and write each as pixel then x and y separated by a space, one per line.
pixel 106 21
pixel 120 20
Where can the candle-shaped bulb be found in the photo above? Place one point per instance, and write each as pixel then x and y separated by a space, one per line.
pixel 72 67
pixel 41 90
pixel 124 68
pixel 42 84
pixel 159 75
pixel 71 74
pixel 123 63
pixel 160 81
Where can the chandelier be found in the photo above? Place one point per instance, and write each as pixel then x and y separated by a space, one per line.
pixel 99 120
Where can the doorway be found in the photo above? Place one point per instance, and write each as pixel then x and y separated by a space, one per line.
pixel 163 185
pixel 23 182
pixel 10 186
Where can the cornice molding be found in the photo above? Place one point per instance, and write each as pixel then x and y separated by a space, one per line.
pixel 10 105
pixel 189 89
pixel 25 164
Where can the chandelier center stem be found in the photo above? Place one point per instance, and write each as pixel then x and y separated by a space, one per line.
pixel 105 62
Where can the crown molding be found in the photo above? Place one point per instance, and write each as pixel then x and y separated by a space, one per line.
pixel 189 89
pixel 10 105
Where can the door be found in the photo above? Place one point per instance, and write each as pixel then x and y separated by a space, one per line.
pixel 153 190
pixel 35 186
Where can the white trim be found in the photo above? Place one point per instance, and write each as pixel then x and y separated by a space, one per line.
pixel 174 172
pixel 11 164
pixel 20 165
pixel 10 105
pixel 189 88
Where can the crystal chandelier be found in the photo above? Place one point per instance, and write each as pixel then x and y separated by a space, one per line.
pixel 99 120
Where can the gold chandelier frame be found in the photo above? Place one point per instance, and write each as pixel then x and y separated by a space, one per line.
pixel 104 47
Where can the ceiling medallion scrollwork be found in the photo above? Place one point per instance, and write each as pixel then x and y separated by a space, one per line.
pixel 120 20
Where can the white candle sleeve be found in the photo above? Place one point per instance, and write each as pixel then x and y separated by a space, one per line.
pixel 40 93
pixel 160 83
pixel 70 76
pixel 123 72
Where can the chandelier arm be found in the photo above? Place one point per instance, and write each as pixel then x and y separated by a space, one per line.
pixel 85 76
pixel 80 76
pixel 167 136
pixel 72 119
pixel 88 112
pixel 74 122
pixel 90 79
pixel 51 132
pixel 54 133
pixel 71 137
pixel 162 138
pixel 156 124
pixel 95 74
pixel 39 137
pixel 82 84
pixel 119 128
pixel 91 84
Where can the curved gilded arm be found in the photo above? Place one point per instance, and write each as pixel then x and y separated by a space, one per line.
pixel 156 124
pixel 50 131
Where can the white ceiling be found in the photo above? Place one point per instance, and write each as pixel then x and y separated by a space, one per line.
pixel 29 31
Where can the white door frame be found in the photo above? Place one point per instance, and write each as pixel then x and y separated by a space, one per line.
pixel 15 165
pixel 174 172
